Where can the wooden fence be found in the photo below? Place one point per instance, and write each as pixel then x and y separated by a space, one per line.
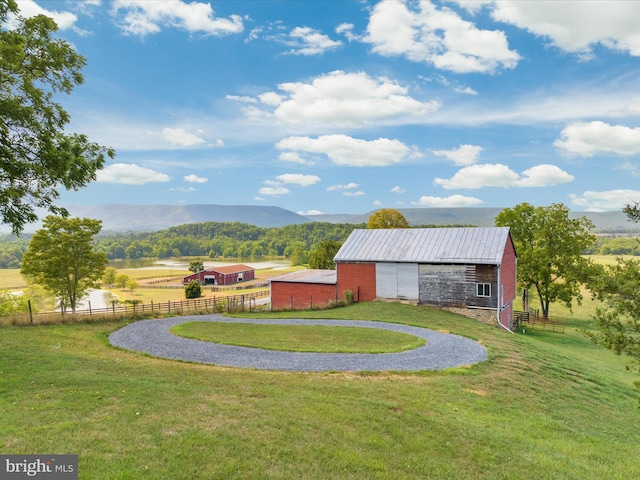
pixel 247 301
pixel 532 319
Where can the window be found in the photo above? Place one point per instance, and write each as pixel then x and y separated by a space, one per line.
pixel 483 289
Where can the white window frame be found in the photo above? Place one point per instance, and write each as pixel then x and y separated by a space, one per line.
pixel 483 287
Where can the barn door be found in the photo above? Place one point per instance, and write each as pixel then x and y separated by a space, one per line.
pixel 397 281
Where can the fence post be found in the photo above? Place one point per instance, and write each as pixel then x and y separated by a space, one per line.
pixel 30 311
pixel 90 312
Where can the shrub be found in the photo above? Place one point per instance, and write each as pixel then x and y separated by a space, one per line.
pixel 193 289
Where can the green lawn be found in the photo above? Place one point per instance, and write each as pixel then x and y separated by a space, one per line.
pixel 544 406
pixel 300 338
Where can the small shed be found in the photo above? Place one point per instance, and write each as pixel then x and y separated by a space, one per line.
pixel 226 275
pixel 303 289
pixel 447 267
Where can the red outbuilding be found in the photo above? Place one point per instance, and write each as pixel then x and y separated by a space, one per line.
pixel 227 275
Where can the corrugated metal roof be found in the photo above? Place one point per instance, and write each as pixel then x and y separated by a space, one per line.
pixel 308 276
pixel 228 269
pixel 484 245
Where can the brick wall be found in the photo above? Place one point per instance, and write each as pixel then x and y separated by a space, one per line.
pixel 300 296
pixel 360 278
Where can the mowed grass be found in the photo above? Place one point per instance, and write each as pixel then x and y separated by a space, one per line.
pixel 544 405
pixel 300 338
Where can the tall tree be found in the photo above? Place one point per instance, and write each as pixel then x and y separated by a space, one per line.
pixel 549 246
pixel 37 156
pixel 387 218
pixel 321 257
pixel 61 258
pixel 617 322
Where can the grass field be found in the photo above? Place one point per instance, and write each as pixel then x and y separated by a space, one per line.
pixel 544 406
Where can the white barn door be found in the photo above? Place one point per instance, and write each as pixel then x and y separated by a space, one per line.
pixel 397 281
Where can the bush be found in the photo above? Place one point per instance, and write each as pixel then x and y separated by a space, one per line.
pixel 193 289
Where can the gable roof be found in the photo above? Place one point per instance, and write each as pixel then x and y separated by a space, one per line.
pixel 226 270
pixel 480 245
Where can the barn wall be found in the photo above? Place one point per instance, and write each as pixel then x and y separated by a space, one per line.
pixel 300 296
pixel 360 278
pixel 397 281
pixel 508 273
pixel 444 285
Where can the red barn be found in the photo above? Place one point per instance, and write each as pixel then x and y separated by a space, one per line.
pixel 446 267
pixel 222 275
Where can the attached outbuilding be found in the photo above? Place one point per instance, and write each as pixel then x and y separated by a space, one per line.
pixel 226 275
pixel 303 289
pixel 445 267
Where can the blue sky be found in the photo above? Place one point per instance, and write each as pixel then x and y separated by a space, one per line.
pixel 347 106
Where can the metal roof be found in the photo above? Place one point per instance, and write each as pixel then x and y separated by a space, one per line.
pixel 480 245
pixel 308 276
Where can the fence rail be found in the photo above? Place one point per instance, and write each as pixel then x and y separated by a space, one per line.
pixel 532 319
pixel 214 304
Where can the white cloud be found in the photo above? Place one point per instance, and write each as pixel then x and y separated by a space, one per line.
pixel 573 26
pixel 142 17
pixel 179 136
pixel 270 98
pixel 465 90
pixel 308 41
pixel 447 202
pixel 349 193
pixel 195 179
pixel 632 168
pixel 345 150
pixel 544 176
pixel 437 36
pixel 274 191
pixel 64 20
pixel 397 189
pixel 588 138
pixel 345 186
pixel 498 175
pixel 310 212
pixel 605 200
pixel 349 99
pixel 298 179
pixel 463 155
pixel 130 174
pixel 182 189
pixel 346 29
pixel 294 157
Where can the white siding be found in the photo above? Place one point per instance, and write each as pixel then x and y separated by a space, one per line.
pixel 398 281
pixel 408 281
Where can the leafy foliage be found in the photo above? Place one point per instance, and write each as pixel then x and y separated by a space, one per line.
pixel 549 246
pixel 193 289
pixel 61 258
pixel 36 155
pixel 387 218
pixel 322 255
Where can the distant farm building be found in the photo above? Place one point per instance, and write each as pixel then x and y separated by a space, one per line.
pixel 227 275
pixel 445 267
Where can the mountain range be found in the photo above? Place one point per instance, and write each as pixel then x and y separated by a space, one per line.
pixel 129 217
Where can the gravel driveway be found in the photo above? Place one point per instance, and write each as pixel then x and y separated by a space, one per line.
pixel 441 351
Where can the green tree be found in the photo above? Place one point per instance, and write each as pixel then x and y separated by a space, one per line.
pixel 387 218
pixel 109 277
pixel 549 246
pixel 321 256
pixel 61 258
pixel 196 266
pixel 193 289
pixel 617 322
pixel 37 156
pixel 132 284
pixel 122 280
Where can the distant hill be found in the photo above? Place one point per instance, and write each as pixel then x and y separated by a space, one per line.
pixel 127 217
pixel 480 217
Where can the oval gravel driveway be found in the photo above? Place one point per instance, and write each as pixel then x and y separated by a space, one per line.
pixel 441 351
